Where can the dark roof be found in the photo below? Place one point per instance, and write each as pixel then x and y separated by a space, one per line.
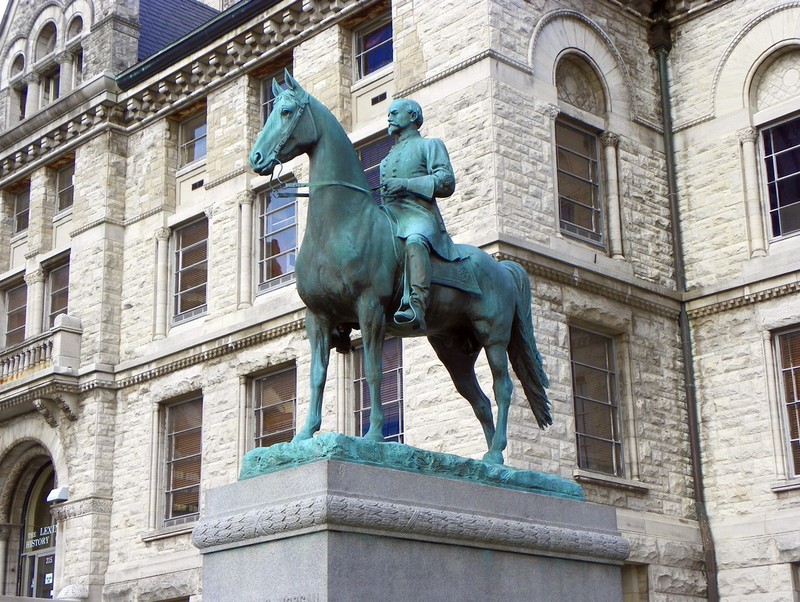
pixel 164 21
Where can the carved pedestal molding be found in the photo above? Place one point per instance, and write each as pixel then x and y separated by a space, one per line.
pixel 752 201
pixel 398 520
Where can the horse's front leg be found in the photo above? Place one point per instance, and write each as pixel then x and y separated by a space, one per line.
pixel 373 328
pixel 319 336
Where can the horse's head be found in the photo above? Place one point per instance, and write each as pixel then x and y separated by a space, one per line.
pixel 289 130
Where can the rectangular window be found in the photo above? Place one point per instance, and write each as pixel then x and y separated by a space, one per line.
pixel 579 203
pixel 192 139
pixel 371 154
pixel 57 293
pixel 267 97
pixel 782 162
pixel 374 48
pixel 596 400
pixel 191 270
pixel 22 204
pixel 277 239
pixel 64 186
pixel 391 391
pixel 789 354
pixel 183 454
pixel 274 403
pixel 50 87
pixel 16 298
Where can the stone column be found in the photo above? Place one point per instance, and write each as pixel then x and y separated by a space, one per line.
pixel 162 282
pixel 610 143
pixel 246 199
pixel 773 401
pixel 34 320
pixel 5 532
pixel 34 83
pixel 755 217
pixel 66 73
pixel 552 111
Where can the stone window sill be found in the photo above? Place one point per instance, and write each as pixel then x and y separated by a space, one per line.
pixel 168 532
pixel 789 485
pixel 598 478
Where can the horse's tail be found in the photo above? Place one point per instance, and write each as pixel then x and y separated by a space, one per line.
pixel 522 352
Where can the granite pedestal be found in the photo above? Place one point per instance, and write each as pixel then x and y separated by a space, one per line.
pixel 333 530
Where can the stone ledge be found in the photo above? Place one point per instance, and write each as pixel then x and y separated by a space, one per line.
pixel 395 456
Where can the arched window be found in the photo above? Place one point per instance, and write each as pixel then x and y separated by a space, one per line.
pixel 37 554
pixel 75 27
pixel 580 198
pixel 46 42
pixel 18 65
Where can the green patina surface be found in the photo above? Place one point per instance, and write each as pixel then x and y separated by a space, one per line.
pixel 333 446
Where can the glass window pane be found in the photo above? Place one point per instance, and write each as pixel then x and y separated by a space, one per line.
pixel 391 391
pixel 596 402
pixel 274 405
pixel 578 182
pixel 782 167
pixel 184 422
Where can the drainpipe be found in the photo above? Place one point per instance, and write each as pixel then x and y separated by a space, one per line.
pixel 661 44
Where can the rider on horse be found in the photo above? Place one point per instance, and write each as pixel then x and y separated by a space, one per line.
pixel 414 174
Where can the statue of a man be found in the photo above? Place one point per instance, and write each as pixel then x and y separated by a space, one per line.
pixel 414 174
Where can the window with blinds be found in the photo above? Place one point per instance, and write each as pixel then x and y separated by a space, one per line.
pixel 16 299
pixel 391 391
pixel 183 453
pixel 579 203
pixel 274 404
pixel 596 399
pixel 371 154
pixel 789 354
pixel 191 270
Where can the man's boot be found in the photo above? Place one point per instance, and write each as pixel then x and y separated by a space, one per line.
pixel 418 272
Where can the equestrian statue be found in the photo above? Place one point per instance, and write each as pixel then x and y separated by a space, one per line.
pixel 393 269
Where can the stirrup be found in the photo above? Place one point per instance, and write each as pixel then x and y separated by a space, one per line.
pixel 410 316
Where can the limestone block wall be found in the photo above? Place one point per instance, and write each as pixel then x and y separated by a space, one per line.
pixel 431 38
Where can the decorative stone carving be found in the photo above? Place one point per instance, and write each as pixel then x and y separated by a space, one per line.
pixel 73 592
pixel 579 85
pixel 404 521
pixel 749 134
pixel 81 507
pixel 779 82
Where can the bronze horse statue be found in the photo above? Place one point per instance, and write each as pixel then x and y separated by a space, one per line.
pixel 349 268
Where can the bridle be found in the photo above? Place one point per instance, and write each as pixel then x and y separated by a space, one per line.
pixel 302 104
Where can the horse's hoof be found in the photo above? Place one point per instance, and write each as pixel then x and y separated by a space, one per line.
pixel 493 457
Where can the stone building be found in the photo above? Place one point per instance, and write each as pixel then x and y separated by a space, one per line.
pixel 640 159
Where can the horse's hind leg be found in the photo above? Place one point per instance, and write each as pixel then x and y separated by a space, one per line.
pixel 461 367
pixel 503 388
pixel 371 320
pixel 319 336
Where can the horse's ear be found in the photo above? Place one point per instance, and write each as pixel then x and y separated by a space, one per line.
pixel 276 88
pixel 290 81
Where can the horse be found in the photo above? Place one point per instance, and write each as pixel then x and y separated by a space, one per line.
pixel 349 269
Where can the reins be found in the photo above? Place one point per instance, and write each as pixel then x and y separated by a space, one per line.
pixel 302 103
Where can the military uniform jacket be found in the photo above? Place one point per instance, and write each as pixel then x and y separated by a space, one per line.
pixel 424 162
